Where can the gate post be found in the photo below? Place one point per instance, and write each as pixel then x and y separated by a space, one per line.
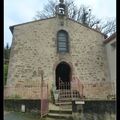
pixel 41 91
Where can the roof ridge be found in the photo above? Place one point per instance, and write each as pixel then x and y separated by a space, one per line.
pixel 89 27
pixel 12 27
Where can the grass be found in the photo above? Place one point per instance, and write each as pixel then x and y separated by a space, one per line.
pixel 5 73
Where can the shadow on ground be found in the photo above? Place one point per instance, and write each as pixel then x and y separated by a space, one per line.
pixel 22 116
pixel 8 115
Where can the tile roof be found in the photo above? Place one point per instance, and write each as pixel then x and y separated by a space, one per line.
pixel 110 38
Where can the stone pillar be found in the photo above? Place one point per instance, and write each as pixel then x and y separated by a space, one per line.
pixel 77 110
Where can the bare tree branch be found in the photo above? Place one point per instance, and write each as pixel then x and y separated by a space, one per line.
pixel 83 14
pixel 108 27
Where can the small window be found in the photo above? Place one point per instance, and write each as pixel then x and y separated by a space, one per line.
pixel 62 41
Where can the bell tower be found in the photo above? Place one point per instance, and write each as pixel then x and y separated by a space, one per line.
pixel 61 9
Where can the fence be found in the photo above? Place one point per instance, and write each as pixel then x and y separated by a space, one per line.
pixel 70 90
pixel 75 90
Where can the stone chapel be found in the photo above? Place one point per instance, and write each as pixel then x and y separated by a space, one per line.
pixel 59 50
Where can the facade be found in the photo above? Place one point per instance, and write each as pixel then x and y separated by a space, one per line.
pixel 60 48
pixel 110 46
pixel 35 48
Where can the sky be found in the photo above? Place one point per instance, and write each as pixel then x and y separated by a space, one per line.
pixel 21 11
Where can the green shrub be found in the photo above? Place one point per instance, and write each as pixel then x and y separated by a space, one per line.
pixel 14 96
pixel 5 73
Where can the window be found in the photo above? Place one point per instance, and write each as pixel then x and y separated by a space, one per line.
pixel 62 41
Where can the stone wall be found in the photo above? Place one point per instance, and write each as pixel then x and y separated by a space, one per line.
pixel 96 110
pixel 34 48
pixel 15 105
pixel 35 90
pixel 99 91
pixel 111 57
pixel 89 92
pixel 91 110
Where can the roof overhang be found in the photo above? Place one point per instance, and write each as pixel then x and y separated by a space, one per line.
pixel 110 38
pixel 105 36
pixel 11 29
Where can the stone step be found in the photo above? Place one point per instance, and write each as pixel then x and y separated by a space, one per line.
pixel 64 103
pixel 64 94
pixel 61 111
pixel 65 90
pixel 66 99
pixel 58 115
pixel 66 108
pixel 60 107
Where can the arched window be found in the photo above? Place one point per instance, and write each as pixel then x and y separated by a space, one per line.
pixel 62 41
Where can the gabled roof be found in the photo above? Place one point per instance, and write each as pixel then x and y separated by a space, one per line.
pixel 110 38
pixel 88 27
pixel 12 27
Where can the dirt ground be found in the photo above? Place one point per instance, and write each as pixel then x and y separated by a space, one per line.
pixel 9 115
pixel 21 116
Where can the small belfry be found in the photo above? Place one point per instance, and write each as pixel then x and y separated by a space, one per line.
pixel 61 9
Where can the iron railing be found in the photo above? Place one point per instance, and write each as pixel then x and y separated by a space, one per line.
pixel 75 90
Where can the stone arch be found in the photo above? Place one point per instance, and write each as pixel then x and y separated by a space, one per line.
pixel 63 72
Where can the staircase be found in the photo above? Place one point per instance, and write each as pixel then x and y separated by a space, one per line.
pixel 60 111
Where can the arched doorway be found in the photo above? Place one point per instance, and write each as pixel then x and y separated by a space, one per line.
pixel 63 73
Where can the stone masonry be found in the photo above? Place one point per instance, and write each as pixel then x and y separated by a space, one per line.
pixel 34 48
